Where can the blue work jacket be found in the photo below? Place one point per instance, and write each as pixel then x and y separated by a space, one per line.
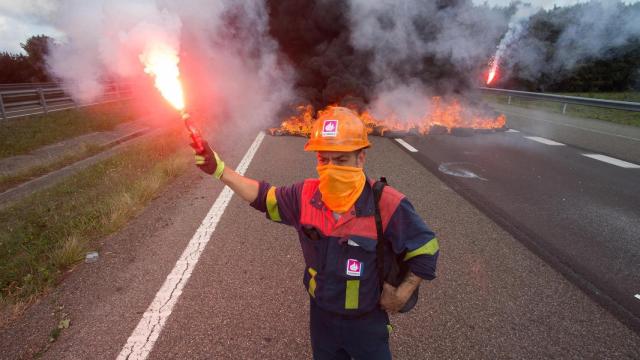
pixel 340 254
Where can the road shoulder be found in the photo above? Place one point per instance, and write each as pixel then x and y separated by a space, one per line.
pixel 493 298
pixel 616 140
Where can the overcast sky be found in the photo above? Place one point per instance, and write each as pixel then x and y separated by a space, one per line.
pixel 20 19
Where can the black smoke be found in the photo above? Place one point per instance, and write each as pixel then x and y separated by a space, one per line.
pixel 316 38
pixel 322 41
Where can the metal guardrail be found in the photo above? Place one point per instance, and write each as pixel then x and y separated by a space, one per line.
pixel 29 99
pixel 609 104
pixel 28 86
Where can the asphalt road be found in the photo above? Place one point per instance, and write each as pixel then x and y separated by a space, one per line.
pixel 493 298
pixel 581 214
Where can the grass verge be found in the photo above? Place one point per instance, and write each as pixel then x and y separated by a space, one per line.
pixel 81 152
pixel 616 116
pixel 51 230
pixel 21 135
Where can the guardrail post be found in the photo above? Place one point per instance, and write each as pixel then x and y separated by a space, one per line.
pixel 564 108
pixel 509 101
pixel 2 112
pixel 43 102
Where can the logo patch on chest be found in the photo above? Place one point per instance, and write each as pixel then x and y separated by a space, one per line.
pixel 354 267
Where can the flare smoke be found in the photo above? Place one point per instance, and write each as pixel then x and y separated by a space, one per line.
pixel 255 56
pixel 232 62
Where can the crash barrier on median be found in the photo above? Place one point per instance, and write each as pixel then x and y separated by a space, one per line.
pixel 41 98
pixel 565 100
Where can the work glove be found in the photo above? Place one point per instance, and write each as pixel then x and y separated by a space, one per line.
pixel 209 161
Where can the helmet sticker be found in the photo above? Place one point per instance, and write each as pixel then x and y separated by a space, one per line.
pixel 330 128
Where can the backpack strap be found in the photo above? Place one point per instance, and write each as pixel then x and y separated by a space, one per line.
pixel 380 245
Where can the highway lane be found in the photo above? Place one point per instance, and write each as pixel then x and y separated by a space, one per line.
pixel 579 213
pixel 620 141
pixel 493 299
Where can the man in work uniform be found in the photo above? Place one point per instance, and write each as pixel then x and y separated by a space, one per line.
pixel 334 217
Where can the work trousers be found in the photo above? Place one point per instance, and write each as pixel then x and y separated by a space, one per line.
pixel 337 337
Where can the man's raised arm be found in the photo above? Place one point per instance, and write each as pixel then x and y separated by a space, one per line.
pixel 209 162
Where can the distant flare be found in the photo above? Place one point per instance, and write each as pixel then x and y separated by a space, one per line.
pixel 493 71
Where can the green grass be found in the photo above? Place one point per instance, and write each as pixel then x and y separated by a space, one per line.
pixel 81 152
pixel 51 230
pixel 580 111
pixel 21 135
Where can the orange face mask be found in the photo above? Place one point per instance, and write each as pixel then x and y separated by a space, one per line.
pixel 340 186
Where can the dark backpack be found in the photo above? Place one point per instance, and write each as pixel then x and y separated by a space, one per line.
pixel 398 268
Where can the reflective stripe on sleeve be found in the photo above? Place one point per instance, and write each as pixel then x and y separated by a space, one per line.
pixel 429 248
pixel 351 296
pixel 312 282
pixel 272 205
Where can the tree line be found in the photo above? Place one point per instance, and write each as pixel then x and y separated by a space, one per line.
pixel 614 68
pixel 20 68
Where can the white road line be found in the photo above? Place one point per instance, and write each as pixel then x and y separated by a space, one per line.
pixel 637 296
pixel 141 341
pixel 575 127
pixel 613 161
pixel 406 145
pixel 513 131
pixel 544 141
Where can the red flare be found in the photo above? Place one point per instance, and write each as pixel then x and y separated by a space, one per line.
pixel 493 71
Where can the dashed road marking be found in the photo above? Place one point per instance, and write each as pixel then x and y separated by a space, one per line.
pixel 613 161
pixel 513 131
pixel 544 141
pixel 143 338
pixel 637 296
pixel 577 127
pixel 406 145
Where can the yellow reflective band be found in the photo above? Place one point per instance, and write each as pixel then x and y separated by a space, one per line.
pixel 272 205
pixel 429 248
pixel 351 298
pixel 312 282
pixel 219 168
pixel 389 328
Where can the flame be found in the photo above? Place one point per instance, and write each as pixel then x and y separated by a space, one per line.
pixel 161 62
pixel 442 117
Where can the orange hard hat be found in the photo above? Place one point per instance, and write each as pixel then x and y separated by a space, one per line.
pixel 337 129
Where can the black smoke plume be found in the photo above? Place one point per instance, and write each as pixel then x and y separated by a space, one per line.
pixel 356 51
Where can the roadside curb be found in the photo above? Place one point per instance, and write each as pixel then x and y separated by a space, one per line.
pixel 126 138
pixel 111 148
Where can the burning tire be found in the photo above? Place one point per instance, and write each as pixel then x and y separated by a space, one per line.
pixel 395 134
pixel 462 132
pixel 438 130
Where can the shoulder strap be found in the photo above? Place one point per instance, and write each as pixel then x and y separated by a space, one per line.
pixel 377 192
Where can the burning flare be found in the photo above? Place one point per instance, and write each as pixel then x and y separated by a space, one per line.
pixel 161 62
pixel 442 117
pixel 493 70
